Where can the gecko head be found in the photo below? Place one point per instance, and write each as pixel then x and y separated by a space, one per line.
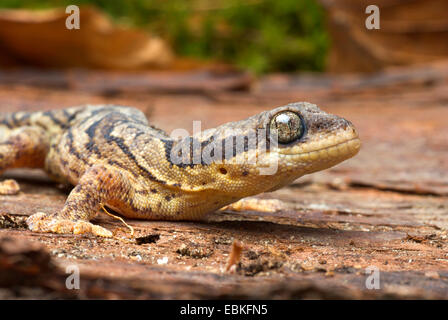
pixel 306 137
pixel 290 141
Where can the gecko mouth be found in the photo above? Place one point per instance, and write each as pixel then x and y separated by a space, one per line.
pixel 338 150
pixel 345 149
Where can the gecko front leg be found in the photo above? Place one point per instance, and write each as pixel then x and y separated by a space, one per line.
pixel 98 185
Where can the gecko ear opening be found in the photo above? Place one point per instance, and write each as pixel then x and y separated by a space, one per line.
pixel 288 126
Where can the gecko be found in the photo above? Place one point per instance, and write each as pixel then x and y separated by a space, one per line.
pixel 113 157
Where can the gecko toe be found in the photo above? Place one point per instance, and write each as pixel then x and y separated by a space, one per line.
pixel 38 222
pixel 9 187
pixel 43 222
pixel 83 227
pixel 254 204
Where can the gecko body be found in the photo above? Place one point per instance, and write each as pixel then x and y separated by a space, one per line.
pixel 113 157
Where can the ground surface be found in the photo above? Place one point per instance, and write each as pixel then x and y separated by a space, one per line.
pixel 387 207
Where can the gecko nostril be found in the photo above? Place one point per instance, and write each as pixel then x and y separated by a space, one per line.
pixel 223 170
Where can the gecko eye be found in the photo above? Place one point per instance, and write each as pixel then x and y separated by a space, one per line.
pixel 288 126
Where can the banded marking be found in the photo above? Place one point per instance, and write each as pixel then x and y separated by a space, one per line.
pixel 125 149
pixel 188 143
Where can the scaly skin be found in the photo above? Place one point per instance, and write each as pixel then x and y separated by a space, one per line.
pixel 113 157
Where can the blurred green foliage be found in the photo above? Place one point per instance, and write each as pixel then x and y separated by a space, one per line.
pixel 260 35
